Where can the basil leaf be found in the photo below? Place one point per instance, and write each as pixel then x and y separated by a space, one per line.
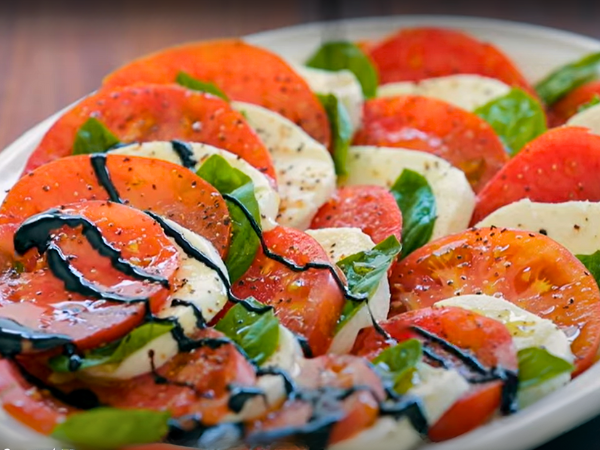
pixel 417 203
pixel 396 365
pixel 244 241
pixel 364 271
pixel 117 351
pixel 188 81
pixel 567 78
pixel 595 100
pixel 111 428
pixel 93 137
pixel 341 130
pixel 342 55
pixel 516 117
pixel 256 333
pixel 592 263
pixel 537 365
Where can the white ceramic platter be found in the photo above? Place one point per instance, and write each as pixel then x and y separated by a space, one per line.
pixel 535 50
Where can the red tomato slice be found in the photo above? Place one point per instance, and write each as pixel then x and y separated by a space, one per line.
pixel 373 209
pixel 244 72
pixel 308 303
pixel 359 410
pixel 567 106
pixel 198 383
pixel 559 166
pixel 527 269
pixel 39 300
pixel 487 339
pixel 417 53
pixel 434 126
pixel 157 113
pixel 29 405
pixel 169 190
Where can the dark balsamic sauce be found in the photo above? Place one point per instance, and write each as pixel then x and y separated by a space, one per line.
pixel 185 152
pixel 239 395
pixel 98 162
pixel 16 338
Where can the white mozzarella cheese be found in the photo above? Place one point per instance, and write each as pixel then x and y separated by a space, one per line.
pixel 575 225
pixel 266 196
pixel 466 91
pixel 195 283
pixel 305 172
pixel 340 243
pixel 342 83
pixel 588 118
pixel 438 389
pixel 528 330
pixel 381 166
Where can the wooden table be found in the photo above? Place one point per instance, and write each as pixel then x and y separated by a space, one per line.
pixel 52 53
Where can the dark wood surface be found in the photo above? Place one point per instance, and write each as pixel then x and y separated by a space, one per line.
pixel 53 52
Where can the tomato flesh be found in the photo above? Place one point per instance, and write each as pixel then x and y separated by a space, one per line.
pixel 373 209
pixel 308 303
pixel 167 189
pixel 528 269
pixel 561 165
pixel 244 72
pixel 157 113
pixel 568 106
pixel 434 126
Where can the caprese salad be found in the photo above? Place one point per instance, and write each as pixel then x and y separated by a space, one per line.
pixel 380 246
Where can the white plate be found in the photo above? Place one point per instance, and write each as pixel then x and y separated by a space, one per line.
pixel 535 50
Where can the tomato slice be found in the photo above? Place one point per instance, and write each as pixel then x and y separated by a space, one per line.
pixel 320 377
pixel 39 300
pixel 373 209
pixel 527 269
pixel 434 126
pixel 169 190
pixel 559 166
pixel 157 113
pixel 244 72
pixel 308 303
pixel 487 339
pixel 414 54
pixel 568 106
pixel 29 405
pixel 198 383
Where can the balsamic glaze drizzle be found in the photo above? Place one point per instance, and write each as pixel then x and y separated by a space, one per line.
pixel 185 152
pixel 98 162
pixel 239 395
pixel 14 337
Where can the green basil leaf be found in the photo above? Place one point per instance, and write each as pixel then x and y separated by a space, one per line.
pixel 364 271
pixel 341 130
pixel 537 365
pixel 188 81
pixel 595 100
pixel 117 351
pixel 244 241
pixel 342 55
pixel 567 78
pixel 417 203
pixel 516 117
pixel 93 137
pixel 256 333
pixel 112 428
pixel 397 364
pixel 592 263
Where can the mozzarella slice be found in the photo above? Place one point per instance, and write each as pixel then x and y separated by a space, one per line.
pixel 438 389
pixel 195 283
pixel 381 166
pixel 464 90
pixel 266 196
pixel 342 83
pixel 305 171
pixel 340 243
pixel 575 225
pixel 588 118
pixel 528 330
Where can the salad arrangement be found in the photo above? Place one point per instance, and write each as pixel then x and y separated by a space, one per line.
pixel 390 244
